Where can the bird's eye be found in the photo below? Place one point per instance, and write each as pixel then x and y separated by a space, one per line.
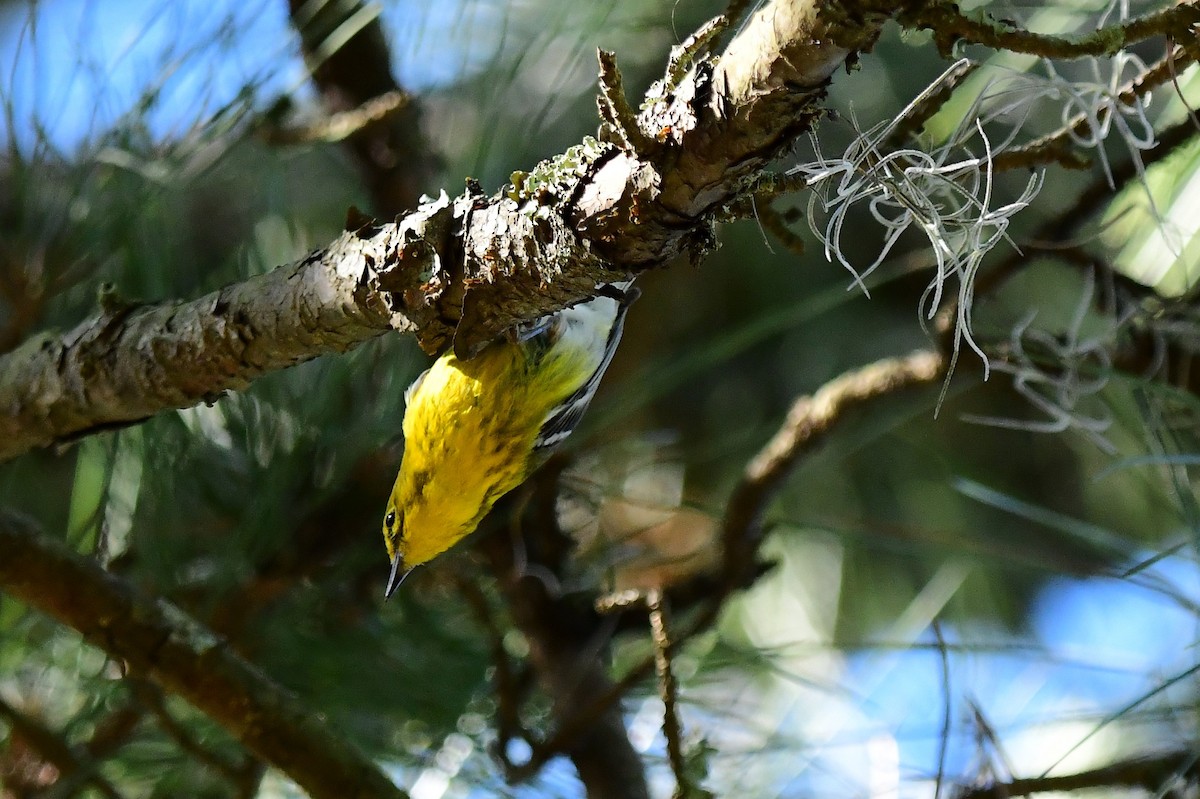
pixel 389 521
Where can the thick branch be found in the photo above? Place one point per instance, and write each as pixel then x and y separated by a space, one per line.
pixel 157 640
pixel 462 271
pixel 130 362
pixel 566 646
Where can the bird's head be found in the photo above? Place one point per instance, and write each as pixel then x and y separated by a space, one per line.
pixel 394 540
pixel 420 525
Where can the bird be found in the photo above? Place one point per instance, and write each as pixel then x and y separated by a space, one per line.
pixel 475 429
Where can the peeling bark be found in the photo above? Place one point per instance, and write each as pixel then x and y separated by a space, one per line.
pixel 458 272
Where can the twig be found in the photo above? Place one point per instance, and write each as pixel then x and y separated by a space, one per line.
pixel 114 730
pixel 508 691
pixel 565 644
pixel 930 103
pixel 1191 112
pixel 810 419
pixel 347 50
pixel 26 299
pixel 777 224
pixel 944 738
pixel 1065 224
pixel 950 26
pixel 152 697
pixel 340 125
pixel 737 9
pixel 668 690
pixel 1057 146
pixel 614 107
pixel 986 737
pixel 686 52
pixel 807 423
pixel 1150 773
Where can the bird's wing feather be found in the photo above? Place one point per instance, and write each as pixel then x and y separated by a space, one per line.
pixel 414 387
pixel 562 420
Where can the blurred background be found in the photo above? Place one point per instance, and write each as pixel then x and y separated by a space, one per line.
pixel 989 588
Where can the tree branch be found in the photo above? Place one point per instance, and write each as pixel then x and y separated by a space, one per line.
pixel 131 361
pixel 949 25
pixel 566 644
pixel 1150 773
pixel 805 428
pixel 807 423
pixel 668 689
pixel 157 640
pixel 1059 146
pixel 458 272
pixel 346 48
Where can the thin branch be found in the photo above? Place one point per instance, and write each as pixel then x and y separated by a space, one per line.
pixel 1149 773
pixel 114 730
pixel 736 9
pixel 1058 146
pixel 805 428
pixel 808 422
pixel 929 104
pixel 25 297
pixel 614 106
pixel 950 26
pixel 158 640
pixel 1073 216
pixel 668 689
pixel 779 225
pixel 341 125
pixel 944 736
pixel 684 54
pixel 507 689
pixel 566 642
pixel 152 697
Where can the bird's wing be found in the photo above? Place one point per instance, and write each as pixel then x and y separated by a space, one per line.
pixel 563 418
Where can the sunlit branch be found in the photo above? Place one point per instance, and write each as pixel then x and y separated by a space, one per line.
pixel 1059 146
pixel 808 422
pixel 950 26
pixel 340 125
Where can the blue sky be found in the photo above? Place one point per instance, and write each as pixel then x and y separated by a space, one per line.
pixel 77 67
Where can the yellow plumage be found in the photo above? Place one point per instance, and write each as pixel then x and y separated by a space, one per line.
pixel 475 429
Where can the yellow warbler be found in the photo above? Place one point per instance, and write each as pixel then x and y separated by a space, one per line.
pixel 475 429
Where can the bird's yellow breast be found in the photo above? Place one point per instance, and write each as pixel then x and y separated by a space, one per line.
pixel 469 431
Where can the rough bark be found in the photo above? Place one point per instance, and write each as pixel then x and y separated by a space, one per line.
pixel 458 272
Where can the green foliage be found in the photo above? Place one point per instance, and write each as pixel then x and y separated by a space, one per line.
pixel 259 513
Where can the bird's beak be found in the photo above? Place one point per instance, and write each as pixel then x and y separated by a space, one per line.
pixel 396 577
